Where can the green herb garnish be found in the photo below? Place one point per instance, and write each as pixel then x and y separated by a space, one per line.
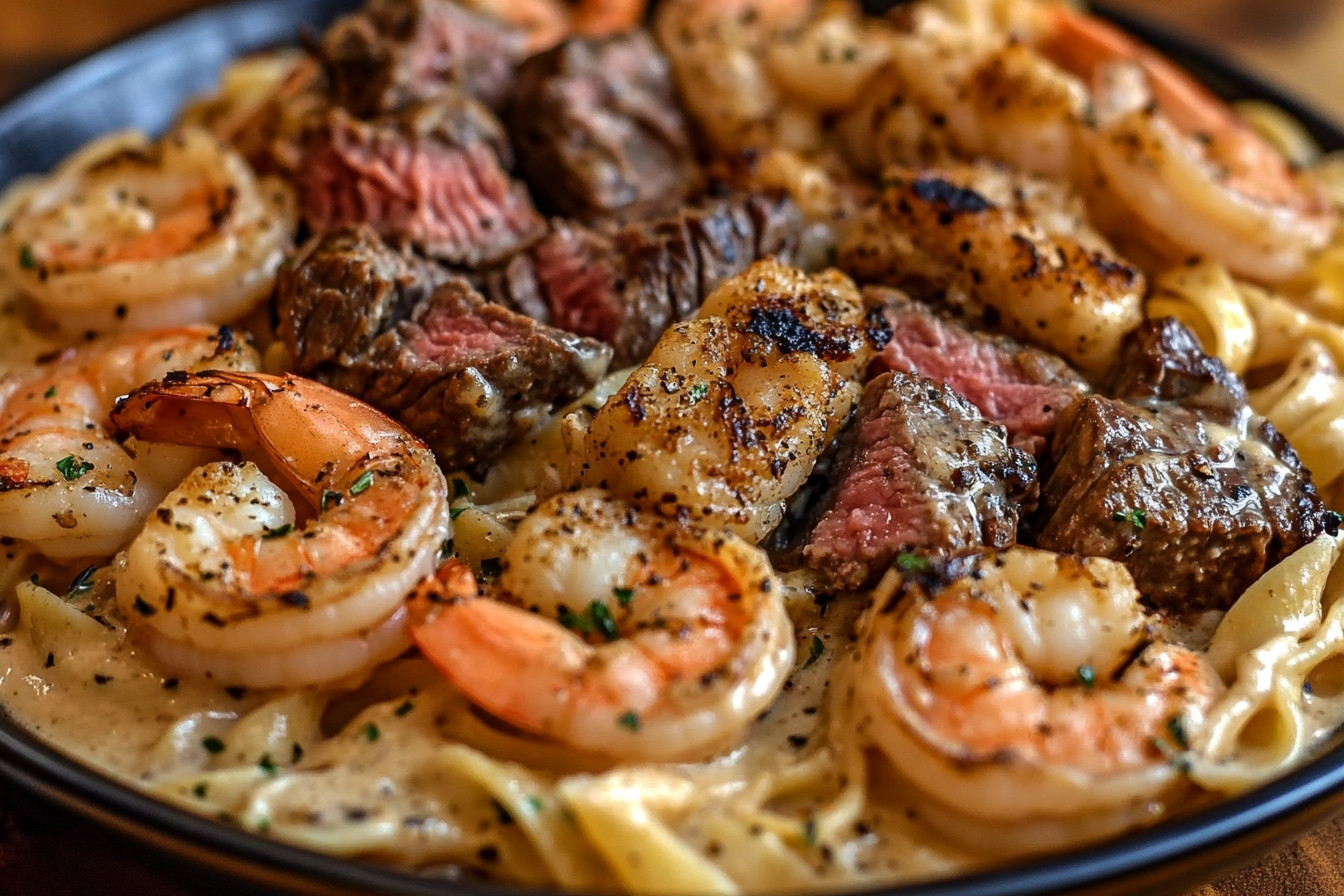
pixel 624 595
pixel 213 745
pixel 371 732
pixel 278 531
pixel 1087 676
pixel 1137 517
pixel 81 583
pixel 698 391
pixel 27 260
pixel 815 652
pixel 908 562
pixel 266 764
pixel 330 498
pixel 362 483
pixel 629 719
pixel 50 393
pixel 72 469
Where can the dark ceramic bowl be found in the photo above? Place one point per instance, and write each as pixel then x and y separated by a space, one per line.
pixel 141 82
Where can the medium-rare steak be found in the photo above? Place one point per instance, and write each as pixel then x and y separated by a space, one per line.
pixel 432 175
pixel 1177 478
pixel 923 472
pixel 1022 388
pixel 344 289
pixel 627 283
pixel 597 127
pixel 465 375
pixel 393 53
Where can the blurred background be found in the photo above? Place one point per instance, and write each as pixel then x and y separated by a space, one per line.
pixel 1297 43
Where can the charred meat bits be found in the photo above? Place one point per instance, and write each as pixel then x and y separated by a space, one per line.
pixel 1177 478
pixel 924 472
pixel 465 375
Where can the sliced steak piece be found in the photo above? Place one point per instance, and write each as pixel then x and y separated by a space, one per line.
pixel 433 175
pixel 422 346
pixel 1193 492
pixel 344 289
pixel 1022 388
pixel 627 283
pixel 598 128
pixel 924 472
pixel 394 53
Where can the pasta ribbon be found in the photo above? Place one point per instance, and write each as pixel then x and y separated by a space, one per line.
pixel 1263 725
pixel 1206 299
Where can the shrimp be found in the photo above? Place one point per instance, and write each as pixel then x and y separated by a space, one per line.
pixel 1172 156
pixel 730 412
pixel 67 487
pixel 1014 247
pixel 632 636
pixel 138 236
pixel 958 88
pixel 224 580
pixel 1030 688
pixel 717 53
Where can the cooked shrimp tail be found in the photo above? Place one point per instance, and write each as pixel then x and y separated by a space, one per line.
pixel 642 638
pixel 227 580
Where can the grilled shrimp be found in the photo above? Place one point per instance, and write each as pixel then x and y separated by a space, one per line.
pixel 67 487
pixel 965 87
pixel 128 235
pixel 227 581
pixel 729 413
pixel 615 632
pixel 1175 158
pixel 987 241
pixel 1030 689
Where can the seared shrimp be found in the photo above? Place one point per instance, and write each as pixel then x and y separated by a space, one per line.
pixel 1030 689
pixel 1182 163
pixel 618 633
pixel 225 581
pixel 981 239
pixel 731 411
pixel 965 87
pixel 67 487
pixel 139 236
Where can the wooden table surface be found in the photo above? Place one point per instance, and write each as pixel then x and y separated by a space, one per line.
pixel 1297 43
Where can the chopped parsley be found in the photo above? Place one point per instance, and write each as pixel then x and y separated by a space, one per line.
pixel 144 607
pixel 595 619
pixel 213 745
pixel 810 832
pixel 629 719
pixel 296 753
pixel 330 498
pixel 263 825
pixel 1176 727
pixel 266 764
pixel 460 490
pixel 404 709
pixel 908 562
pixel 698 391
pixel 814 652
pixel 278 531
pixel 1087 676
pixel 491 567
pixel 535 804
pixel 81 583
pixel 455 512
pixel 362 484
pixel 371 732
pixel 33 578
pixel 624 595
pixel 602 619
pixel 200 790
pixel 72 469
pixel 1137 517
pixel 50 393
pixel 27 260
